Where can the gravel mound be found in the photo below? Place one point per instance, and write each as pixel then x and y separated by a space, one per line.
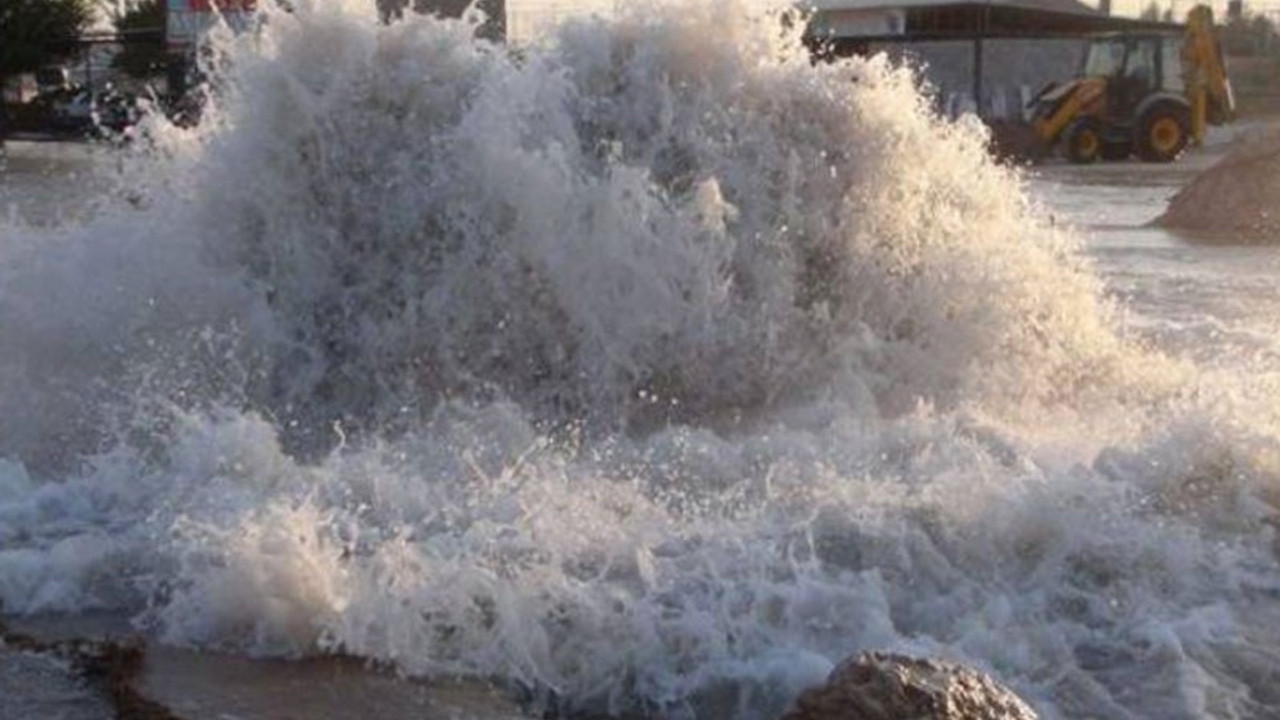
pixel 1238 198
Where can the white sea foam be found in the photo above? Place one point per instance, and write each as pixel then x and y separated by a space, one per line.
pixel 654 368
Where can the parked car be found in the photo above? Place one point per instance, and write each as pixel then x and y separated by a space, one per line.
pixel 69 110
pixel 52 78
pixel 117 111
pixel 78 112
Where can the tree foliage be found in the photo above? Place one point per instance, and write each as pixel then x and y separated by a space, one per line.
pixel 34 33
pixel 1153 13
pixel 1250 35
pixel 494 27
pixel 142 26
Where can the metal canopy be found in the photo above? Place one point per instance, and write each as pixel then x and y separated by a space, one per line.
pixel 966 20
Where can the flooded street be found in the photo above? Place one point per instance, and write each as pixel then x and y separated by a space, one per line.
pixel 638 376
pixel 1215 299
pixel 46 183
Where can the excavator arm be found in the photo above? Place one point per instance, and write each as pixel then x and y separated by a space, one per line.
pixel 1205 73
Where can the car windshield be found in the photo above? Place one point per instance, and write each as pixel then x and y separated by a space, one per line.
pixel 1105 58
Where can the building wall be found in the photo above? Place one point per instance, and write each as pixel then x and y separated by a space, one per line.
pixel 1011 70
pixel 527 20
pixel 845 23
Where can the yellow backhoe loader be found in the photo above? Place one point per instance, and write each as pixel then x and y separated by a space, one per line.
pixel 1144 93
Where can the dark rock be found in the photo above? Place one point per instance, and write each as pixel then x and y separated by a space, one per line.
pixel 883 686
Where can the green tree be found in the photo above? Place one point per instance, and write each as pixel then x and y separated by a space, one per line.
pixel 34 33
pixel 142 27
pixel 1250 35
pixel 1153 13
pixel 496 10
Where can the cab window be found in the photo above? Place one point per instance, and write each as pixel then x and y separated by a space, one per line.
pixel 1171 67
pixel 1141 63
pixel 1105 58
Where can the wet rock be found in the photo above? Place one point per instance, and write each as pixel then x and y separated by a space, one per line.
pixel 38 686
pixel 212 686
pixel 95 668
pixel 883 686
pixel 103 665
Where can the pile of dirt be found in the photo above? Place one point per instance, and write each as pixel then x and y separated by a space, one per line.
pixel 1236 199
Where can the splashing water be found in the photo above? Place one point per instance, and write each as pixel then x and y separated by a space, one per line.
pixel 651 368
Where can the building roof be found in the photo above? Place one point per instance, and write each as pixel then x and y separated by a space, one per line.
pixel 954 19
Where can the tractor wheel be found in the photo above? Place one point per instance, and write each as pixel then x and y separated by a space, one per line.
pixel 1163 133
pixel 1084 141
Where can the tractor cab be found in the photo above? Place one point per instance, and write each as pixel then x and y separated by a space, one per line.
pixel 1148 93
pixel 1134 68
